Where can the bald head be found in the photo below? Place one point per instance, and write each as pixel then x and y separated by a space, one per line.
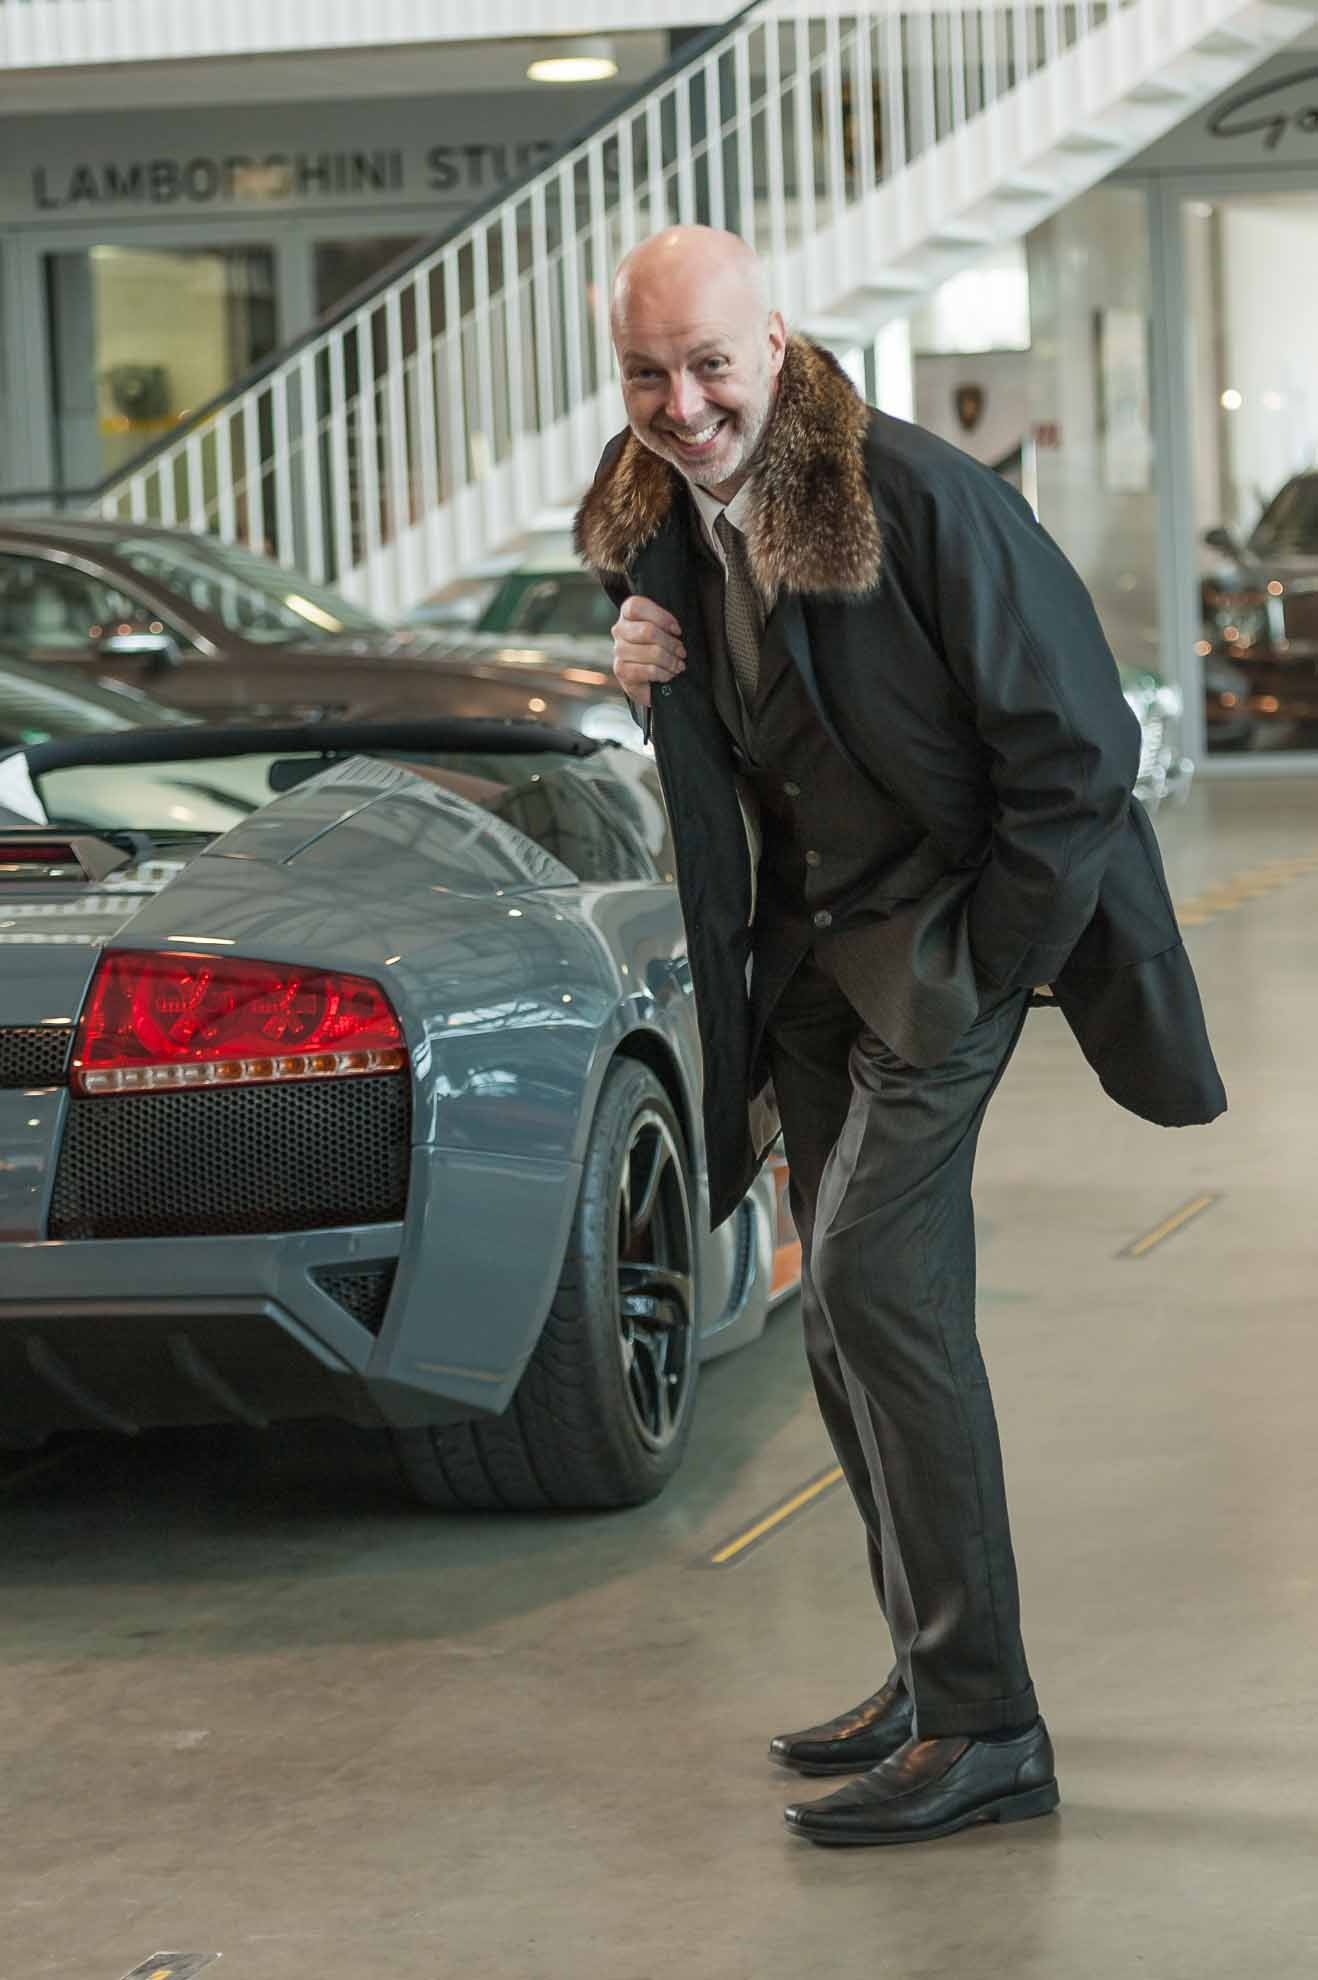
pixel 691 263
pixel 700 349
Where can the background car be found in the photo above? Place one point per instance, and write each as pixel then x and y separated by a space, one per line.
pixel 377 1099
pixel 1259 605
pixel 228 636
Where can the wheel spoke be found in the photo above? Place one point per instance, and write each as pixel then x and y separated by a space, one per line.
pixel 643 1211
pixel 655 1286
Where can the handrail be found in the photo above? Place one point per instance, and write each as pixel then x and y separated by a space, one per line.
pixel 411 258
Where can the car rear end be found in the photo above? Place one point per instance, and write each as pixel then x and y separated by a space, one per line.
pixel 222 1195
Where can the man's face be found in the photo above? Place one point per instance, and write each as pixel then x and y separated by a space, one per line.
pixel 699 376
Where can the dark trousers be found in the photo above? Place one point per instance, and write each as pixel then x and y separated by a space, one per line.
pixel 881 1155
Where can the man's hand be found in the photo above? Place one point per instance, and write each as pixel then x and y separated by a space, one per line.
pixel 647 647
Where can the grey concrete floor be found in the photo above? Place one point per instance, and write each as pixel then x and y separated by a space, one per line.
pixel 252 1704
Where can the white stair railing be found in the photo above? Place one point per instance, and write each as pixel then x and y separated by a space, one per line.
pixel 864 154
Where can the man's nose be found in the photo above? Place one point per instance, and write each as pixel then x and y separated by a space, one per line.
pixel 686 401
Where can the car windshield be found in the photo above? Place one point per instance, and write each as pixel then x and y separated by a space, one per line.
pixel 1289 524
pixel 33 709
pixel 549 602
pixel 250 595
pixel 599 817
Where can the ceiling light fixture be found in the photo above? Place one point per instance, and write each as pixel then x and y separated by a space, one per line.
pixel 588 58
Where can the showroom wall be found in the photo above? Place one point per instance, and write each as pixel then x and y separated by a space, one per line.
pixel 1089 403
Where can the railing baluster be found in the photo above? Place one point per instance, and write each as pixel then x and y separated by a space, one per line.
pixel 803 132
pixel 196 516
pixel 285 536
pixel 309 462
pixel 772 125
pixel 686 187
pixel 654 166
pixel 227 520
pixel 397 454
pixel 748 217
pixel 252 473
pixel 834 156
pixel 427 447
pixel 711 95
pixel 368 437
pixel 340 481
pixel 862 111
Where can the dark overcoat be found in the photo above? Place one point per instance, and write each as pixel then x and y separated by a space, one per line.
pixel 950 649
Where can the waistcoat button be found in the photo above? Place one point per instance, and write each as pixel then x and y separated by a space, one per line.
pixel 814 859
pixel 792 790
pixel 823 919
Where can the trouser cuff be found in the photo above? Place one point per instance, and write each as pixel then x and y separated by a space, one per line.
pixel 948 1719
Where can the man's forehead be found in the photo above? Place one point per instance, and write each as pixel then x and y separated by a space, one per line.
pixel 647 333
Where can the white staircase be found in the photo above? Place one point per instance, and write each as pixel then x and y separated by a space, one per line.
pixel 867 155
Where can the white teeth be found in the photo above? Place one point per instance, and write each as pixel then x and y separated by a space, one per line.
pixel 699 439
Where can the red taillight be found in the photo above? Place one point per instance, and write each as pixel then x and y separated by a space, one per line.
pixel 155 1022
pixel 37 852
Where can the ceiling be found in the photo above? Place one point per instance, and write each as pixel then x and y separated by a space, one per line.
pixel 432 68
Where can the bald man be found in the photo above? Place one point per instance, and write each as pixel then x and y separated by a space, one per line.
pixel 900 768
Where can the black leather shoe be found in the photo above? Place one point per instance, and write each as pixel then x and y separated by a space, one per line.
pixel 933 1787
pixel 852 1742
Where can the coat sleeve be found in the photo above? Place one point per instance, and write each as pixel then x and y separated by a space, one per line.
pixel 1020 632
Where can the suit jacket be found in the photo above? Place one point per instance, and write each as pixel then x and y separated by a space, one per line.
pixel 952 652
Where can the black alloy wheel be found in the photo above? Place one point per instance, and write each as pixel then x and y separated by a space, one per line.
pixel 602 1414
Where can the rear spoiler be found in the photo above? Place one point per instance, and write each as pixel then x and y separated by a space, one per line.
pixel 459 734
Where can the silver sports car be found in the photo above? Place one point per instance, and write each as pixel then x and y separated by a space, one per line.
pixel 352 1071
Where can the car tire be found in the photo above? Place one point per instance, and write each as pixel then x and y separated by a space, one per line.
pixel 603 1411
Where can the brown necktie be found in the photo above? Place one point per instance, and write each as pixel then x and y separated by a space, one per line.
pixel 743 610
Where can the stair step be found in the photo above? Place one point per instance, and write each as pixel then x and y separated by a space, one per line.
pixel 1025 190
pixel 1161 89
pixel 1232 43
pixel 963 234
pixel 1094 137
pixel 893 282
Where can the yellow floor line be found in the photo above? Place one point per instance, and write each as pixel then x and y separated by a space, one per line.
pixel 1170 1225
pixel 1250 885
pixel 732 1550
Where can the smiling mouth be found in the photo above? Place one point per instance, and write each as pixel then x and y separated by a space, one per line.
pixel 694 443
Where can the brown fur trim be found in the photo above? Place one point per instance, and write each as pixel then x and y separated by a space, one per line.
pixel 812 526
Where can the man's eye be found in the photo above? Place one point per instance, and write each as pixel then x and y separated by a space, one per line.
pixel 716 364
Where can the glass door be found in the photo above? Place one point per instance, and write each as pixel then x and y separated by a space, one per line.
pixel 140 336
pixel 1251 262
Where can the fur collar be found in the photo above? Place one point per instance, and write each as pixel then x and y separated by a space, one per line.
pixel 812 526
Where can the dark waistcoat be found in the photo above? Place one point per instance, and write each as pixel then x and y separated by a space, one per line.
pixel 842 869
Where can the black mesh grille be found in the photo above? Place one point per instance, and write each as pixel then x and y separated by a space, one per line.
pixel 363 1289
pixel 241 1160
pixel 34 1054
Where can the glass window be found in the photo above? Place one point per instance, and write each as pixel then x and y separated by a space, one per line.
pixel 590 819
pixel 33 709
pixel 249 594
pixel 1255 432
pixel 140 336
pixel 342 266
pixel 549 602
pixel 50 607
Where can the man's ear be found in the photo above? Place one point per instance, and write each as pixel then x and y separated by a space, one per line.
pixel 777 342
